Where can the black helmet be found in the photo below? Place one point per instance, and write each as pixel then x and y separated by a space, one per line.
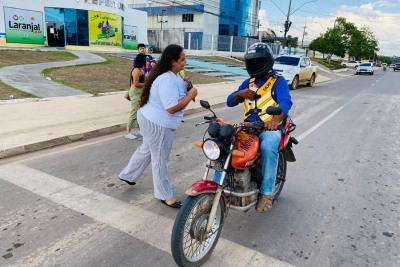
pixel 259 60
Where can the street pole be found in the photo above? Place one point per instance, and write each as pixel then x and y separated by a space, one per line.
pixel 287 23
pixel 161 31
pixel 304 32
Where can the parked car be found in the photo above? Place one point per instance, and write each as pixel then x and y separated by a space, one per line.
pixel 351 63
pixel 296 70
pixel 365 68
pixel 396 67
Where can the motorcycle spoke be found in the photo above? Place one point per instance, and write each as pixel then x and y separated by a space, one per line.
pixel 194 244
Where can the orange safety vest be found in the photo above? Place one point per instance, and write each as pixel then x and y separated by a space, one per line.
pixel 264 101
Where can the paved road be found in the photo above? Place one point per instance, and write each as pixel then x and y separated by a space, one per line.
pixel 339 206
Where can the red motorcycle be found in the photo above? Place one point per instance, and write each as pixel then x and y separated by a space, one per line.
pixel 231 149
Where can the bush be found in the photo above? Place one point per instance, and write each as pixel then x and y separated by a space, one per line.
pixel 333 65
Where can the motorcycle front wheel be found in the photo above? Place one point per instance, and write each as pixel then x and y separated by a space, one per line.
pixel 190 245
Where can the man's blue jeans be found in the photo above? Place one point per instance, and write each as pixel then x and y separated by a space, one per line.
pixel 269 156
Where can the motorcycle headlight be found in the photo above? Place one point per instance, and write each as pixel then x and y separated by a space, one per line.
pixel 211 149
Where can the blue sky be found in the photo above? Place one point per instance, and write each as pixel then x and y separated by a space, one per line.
pixel 382 17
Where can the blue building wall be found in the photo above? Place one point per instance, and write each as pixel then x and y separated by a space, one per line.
pixel 234 17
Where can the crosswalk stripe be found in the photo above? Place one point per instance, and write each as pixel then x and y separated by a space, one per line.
pixel 125 217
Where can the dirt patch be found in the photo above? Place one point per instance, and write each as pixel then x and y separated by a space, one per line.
pixel 8 92
pixel 18 57
pixel 111 76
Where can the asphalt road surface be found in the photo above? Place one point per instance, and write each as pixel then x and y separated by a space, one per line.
pixel 339 207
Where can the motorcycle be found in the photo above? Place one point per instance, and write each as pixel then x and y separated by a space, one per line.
pixel 231 149
pixel 384 68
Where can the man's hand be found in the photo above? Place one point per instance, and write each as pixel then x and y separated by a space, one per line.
pixel 243 94
pixel 246 94
pixel 271 125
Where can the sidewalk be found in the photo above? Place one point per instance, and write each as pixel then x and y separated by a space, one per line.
pixel 35 125
pixel 32 126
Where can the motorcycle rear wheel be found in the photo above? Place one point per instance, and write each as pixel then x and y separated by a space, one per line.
pixel 189 246
pixel 280 175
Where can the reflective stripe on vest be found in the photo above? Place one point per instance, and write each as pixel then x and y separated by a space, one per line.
pixel 264 101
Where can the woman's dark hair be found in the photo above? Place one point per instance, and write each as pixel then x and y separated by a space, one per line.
pixel 140 60
pixel 171 53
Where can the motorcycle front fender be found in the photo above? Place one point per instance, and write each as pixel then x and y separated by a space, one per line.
pixel 203 186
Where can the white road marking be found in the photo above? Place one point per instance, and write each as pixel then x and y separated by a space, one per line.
pixel 321 122
pixel 125 217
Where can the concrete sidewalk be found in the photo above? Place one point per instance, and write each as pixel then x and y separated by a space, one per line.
pixel 31 125
pixel 36 125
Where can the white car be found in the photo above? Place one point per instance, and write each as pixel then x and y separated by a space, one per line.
pixel 365 68
pixel 351 63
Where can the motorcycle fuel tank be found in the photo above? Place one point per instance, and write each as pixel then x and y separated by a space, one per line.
pixel 248 144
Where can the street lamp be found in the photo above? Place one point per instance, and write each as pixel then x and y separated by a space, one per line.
pixel 161 32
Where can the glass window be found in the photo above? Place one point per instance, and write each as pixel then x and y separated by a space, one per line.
pixel 83 27
pixel 235 30
pixel 71 29
pixel 223 29
pixel 187 17
pixel 54 14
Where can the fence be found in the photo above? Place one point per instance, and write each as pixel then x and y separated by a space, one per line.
pixel 199 43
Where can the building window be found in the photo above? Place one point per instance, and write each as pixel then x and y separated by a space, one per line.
pixel 187 17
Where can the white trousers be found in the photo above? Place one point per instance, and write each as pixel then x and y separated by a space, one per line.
pixel 156 147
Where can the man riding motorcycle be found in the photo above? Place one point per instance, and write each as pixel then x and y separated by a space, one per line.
pixel 272 90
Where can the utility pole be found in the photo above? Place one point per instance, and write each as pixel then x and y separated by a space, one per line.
pixel 161 32
pixel 304 32
pixel 287 23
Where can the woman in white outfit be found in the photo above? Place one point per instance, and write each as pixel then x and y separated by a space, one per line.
pixel 160 113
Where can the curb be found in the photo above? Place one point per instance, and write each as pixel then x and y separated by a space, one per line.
pixel 62 140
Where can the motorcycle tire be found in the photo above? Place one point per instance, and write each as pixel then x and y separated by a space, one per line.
pixel 188 246
pixel 280 175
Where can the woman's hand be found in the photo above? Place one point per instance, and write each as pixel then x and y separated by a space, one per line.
pixel 192 93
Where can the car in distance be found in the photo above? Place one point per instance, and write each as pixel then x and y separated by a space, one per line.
pixel 392 66
pixel 351 63
pixel 365 68
pixel 396 67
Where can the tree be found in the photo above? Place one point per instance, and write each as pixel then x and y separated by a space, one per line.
pixel 346 37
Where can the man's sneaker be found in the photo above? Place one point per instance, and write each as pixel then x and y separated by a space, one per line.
pixel 130 136
pixel 138 134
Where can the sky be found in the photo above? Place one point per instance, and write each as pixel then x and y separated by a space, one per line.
pixel 382 17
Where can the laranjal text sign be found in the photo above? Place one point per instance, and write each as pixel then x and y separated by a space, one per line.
pixel 23 26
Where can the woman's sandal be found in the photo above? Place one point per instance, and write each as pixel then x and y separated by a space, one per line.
pixel 176 205
pixel 264 204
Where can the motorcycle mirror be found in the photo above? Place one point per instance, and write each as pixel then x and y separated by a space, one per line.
pixel 271 110
pixel 205 104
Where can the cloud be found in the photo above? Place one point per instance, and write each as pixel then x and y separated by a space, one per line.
pixel 382 24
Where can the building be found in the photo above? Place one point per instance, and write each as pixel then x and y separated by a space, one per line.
pixel 87 24
pixel 198 22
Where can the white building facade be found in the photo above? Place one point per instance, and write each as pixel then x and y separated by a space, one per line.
pixel 200 23
pixel 88 24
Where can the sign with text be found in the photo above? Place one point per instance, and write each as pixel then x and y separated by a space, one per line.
pixel 23 26
pixel 130 37
pixel 105 29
